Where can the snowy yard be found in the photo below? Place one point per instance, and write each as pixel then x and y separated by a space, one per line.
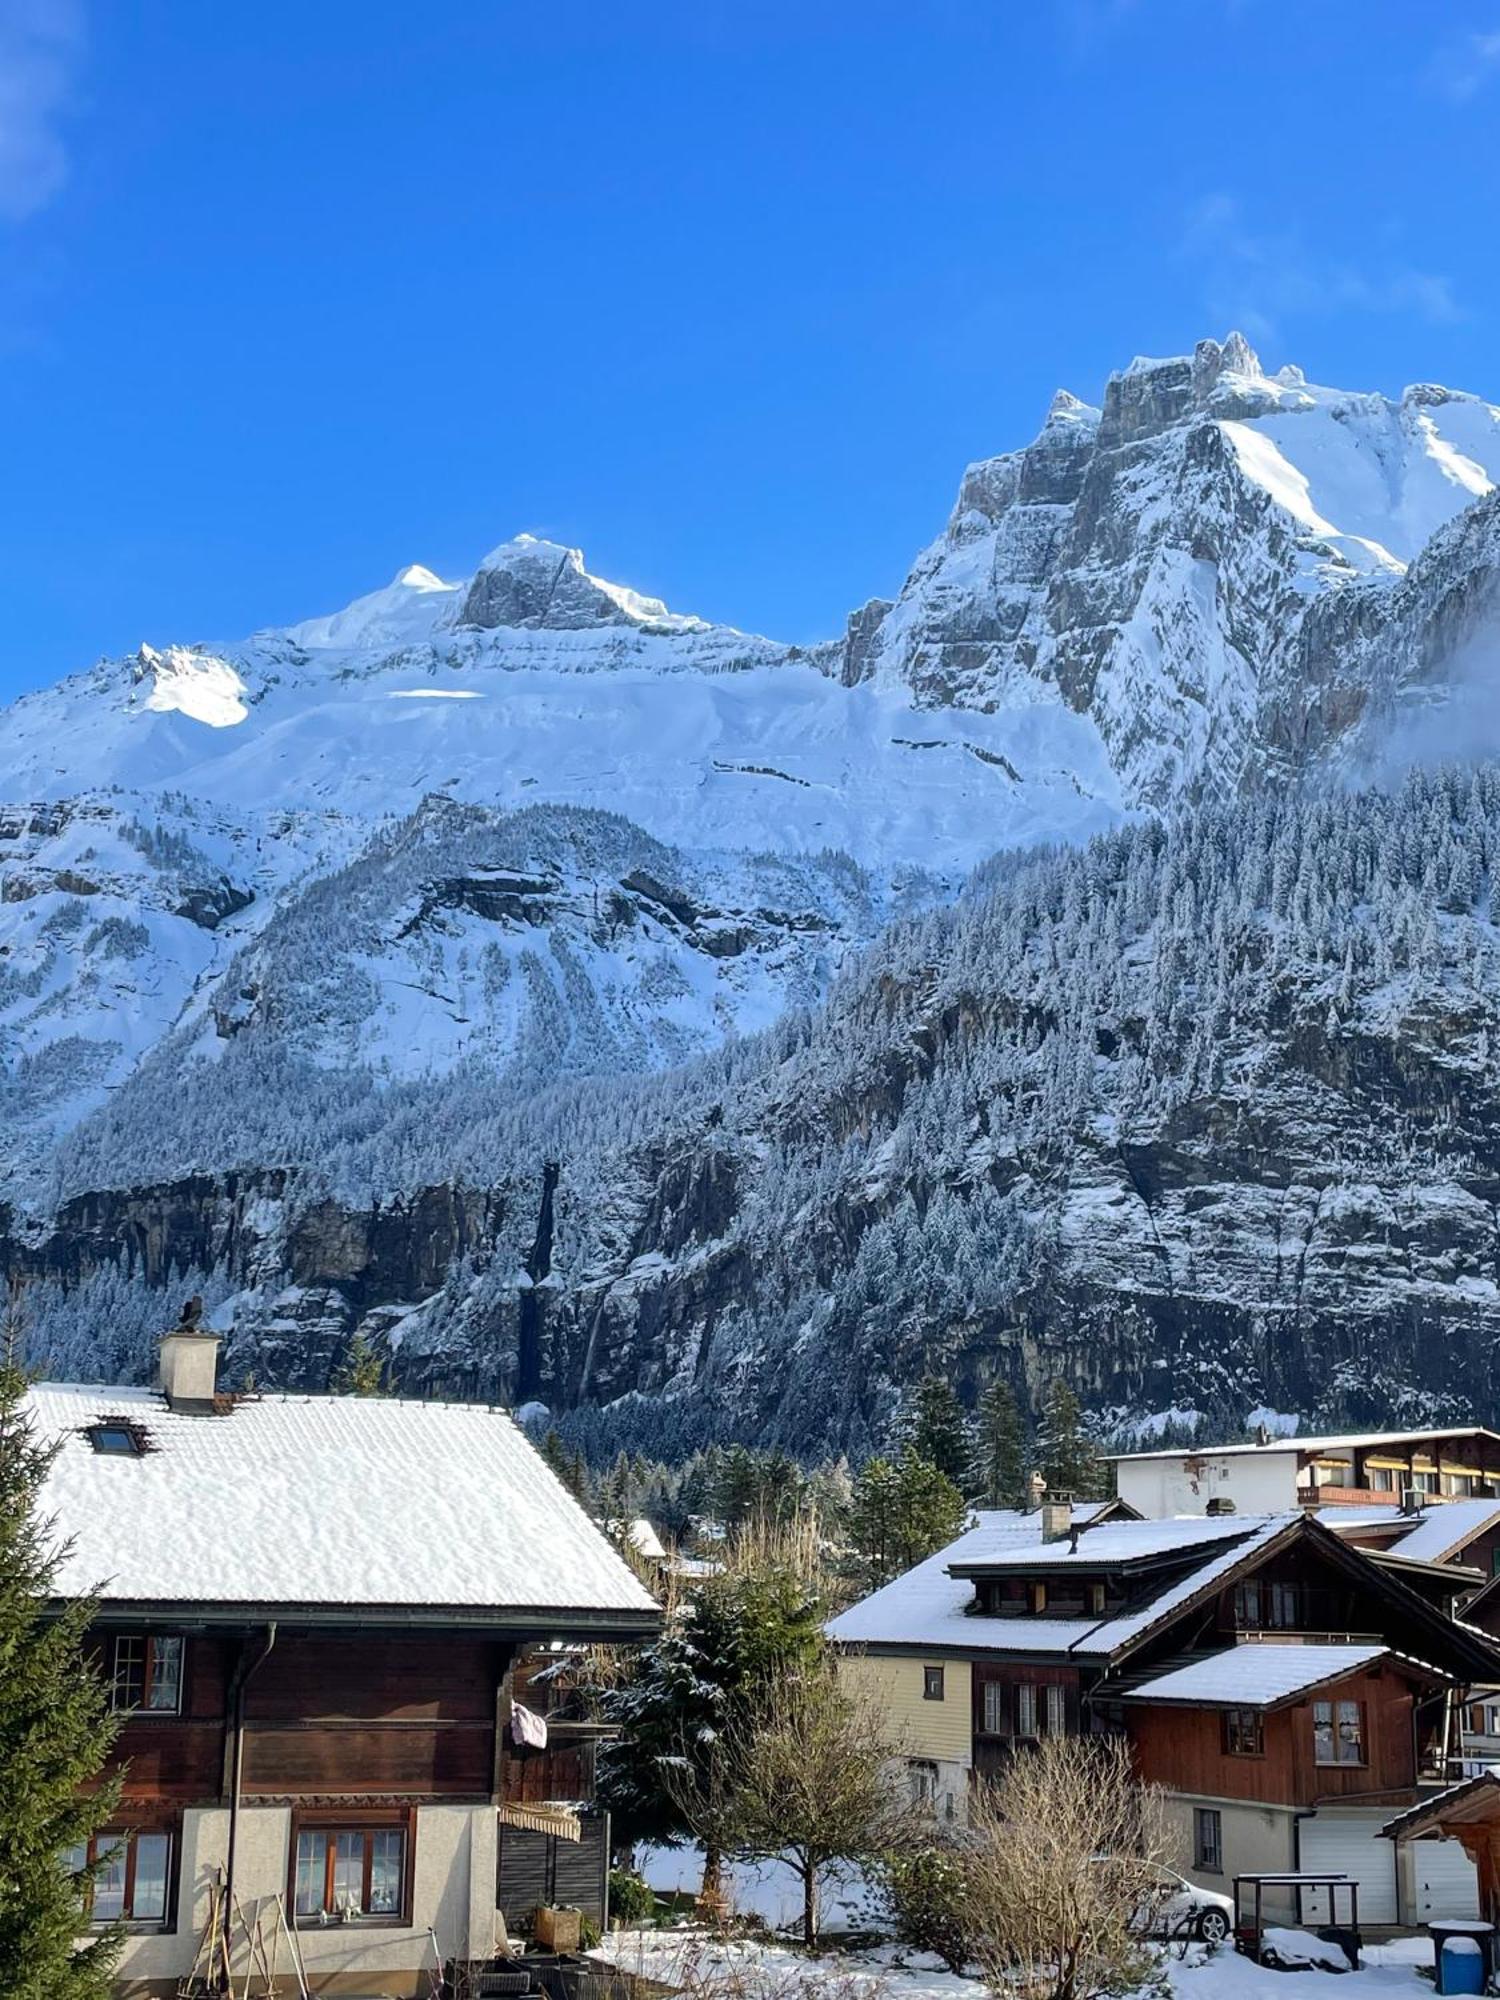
pixel 749 1970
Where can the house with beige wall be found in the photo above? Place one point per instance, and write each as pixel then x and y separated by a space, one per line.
pixel 313 1617
pixel 1283 1685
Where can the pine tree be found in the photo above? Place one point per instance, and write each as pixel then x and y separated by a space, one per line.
pixel 1069 1462
pixel 361 1373
pixel 902 1510
pixel 567 1465
pixel 55 1734
pixel 937 1429
pixel 999 1469
pixel 739 1636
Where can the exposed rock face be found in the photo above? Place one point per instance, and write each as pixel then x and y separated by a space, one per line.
pixel 1165 567
pixel 456 968
pixel 543 585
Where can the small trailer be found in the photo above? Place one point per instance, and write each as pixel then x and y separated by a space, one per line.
pixel 1325 1905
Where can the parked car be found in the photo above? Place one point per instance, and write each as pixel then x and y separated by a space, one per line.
pixel 1182 1909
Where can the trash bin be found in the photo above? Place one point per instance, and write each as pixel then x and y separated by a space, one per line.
pixel 1460 1966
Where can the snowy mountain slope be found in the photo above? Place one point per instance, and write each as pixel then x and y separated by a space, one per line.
pixel 301 934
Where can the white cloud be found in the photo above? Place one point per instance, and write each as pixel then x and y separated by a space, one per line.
pixel 41 43
pixel 1462 68
pixel 1258 278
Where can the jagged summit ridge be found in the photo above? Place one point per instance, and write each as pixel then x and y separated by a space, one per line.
pixel 1158 565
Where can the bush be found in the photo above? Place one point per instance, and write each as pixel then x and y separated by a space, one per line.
pixel 925 1888
pixel 631 1898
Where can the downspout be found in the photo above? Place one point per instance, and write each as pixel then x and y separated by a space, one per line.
pixel 242 1677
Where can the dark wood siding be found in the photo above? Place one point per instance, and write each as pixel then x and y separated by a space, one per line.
pixel 356 1715
pixel 535 1870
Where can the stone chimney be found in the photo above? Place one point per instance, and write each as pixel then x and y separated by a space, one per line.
pixel 1057 1517
pixel 1036 1492
pixel 189 1366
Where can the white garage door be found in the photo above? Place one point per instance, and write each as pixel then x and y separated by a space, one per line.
pixel 1351 1844
pixel 1446 1879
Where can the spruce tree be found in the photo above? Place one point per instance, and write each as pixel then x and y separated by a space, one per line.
pixel 1069 1462
pixel 902 1510
pixel 55 1735
pixel 999 1469
pixel 362 1372
pixel 731 1645
pixel 936 1428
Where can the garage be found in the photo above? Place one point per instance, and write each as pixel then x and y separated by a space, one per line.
pixel 1445 1881
pixel 1352 1844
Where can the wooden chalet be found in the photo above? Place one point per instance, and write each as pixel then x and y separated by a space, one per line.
pixel 1288 1690
pixel 311 1613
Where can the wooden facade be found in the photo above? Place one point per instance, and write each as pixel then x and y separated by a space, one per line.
pixel 1186 1749
pixel 348 1717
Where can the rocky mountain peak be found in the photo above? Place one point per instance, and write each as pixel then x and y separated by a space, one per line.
pixel 544 586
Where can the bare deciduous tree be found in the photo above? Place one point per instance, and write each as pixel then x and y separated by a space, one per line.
pixel 810 1781
pixel 1063 1869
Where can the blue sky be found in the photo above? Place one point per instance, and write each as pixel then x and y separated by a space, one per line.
pixel 725 294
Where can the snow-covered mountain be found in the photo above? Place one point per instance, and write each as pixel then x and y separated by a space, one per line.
pixel 340 899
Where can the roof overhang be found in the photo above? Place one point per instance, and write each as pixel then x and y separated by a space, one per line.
pixel 1386 1658
pixel 519 1622
pixel 1476 1802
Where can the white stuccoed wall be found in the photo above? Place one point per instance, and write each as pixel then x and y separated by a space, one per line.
pixel 454 1892
pixel 1261 1482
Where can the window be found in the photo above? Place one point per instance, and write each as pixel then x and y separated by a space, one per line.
pixel 146 1674
pixel 923 1776
pixel 994 1708
pixel 1038 1599
pixel 1208 1840
pixel 1096 1600
pixel 1244 1732
pixel 1339 1732
pixel 1026 1709
pixel 349 1872
pixel 114 1438
pixel 932 1683
pixel 1382 1479
pixel 1057 1710
pixel 134 1879
pixel 1275 1607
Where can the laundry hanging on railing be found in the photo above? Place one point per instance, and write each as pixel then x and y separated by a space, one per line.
pixel 528 1730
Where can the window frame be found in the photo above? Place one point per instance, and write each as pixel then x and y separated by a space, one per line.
pixel 1244 1732
pixel 1335 1708
pixel 1028 1712
pixel 364 1821
pixel 100 1843
pixel 933 1683
pixel 1208 1853
pixel 150 1676
pixel 993 1715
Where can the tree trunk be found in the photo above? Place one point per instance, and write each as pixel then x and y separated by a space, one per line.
pixel 809 1903
pixel 711 1894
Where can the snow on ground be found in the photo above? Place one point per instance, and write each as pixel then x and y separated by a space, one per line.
pixel 750 1970
pixel 769 1890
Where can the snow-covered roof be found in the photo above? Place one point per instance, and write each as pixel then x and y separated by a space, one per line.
pixel 1114 1544
pixel 1256 1676
pixel 928 1606
pixel 327 1502
pixel 1440 1532
pixel 1354 1441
